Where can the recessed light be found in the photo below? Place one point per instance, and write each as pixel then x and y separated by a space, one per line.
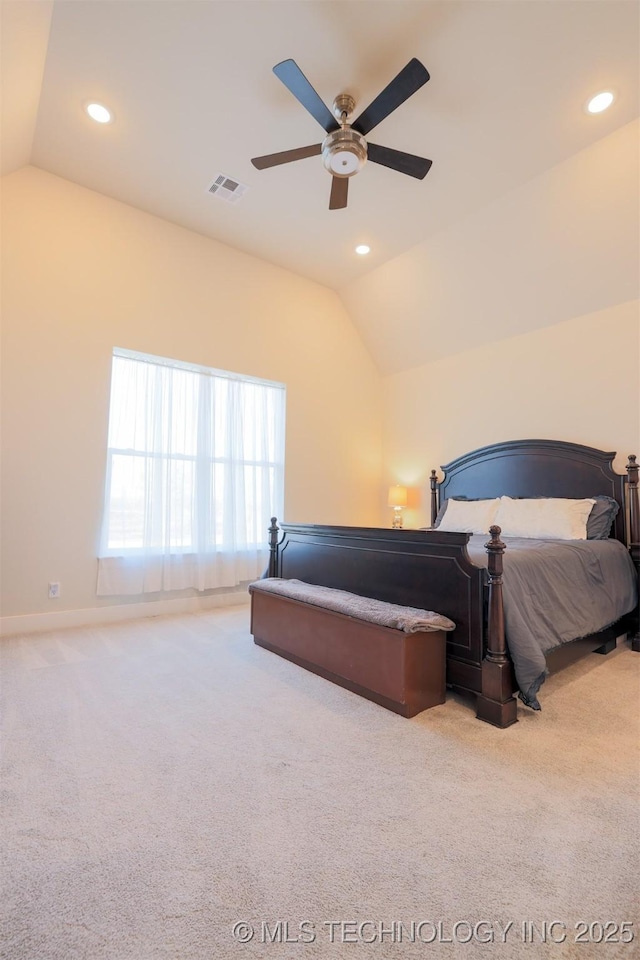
pixel 99 113
pixel 600 102
pixel 363 249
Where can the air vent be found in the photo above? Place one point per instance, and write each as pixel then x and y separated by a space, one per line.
pixel 228 189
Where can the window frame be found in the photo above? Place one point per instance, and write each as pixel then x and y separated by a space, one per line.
pixel 190 550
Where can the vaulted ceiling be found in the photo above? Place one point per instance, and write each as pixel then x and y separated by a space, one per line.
pixel 193 95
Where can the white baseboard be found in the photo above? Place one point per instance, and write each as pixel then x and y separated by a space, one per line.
pixel 60 620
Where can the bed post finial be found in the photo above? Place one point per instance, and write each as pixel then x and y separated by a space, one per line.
pixel 433 480
pixel 634 536
pixel 272 569
pixel 496 704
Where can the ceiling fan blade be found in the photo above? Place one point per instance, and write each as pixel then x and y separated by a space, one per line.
pixel 295 81
pixel 410 79
pixel 286 156
pixel 407 163
pixel 339 191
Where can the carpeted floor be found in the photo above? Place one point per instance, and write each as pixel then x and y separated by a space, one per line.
pixel 166 779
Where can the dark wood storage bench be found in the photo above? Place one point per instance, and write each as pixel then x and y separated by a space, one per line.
pixel 404 672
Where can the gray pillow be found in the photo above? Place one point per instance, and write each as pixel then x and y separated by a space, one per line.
pixel 602 515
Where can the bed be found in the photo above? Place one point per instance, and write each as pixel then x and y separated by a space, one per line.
pixel 471 580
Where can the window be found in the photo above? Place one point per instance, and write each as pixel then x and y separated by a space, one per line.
pixel 195 469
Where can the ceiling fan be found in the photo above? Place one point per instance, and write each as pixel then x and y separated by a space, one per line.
pixel 344 150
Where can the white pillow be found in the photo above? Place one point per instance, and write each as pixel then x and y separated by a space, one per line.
pixel 469 516
pixel 544 519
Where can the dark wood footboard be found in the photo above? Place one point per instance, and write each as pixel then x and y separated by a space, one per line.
pixel 428 569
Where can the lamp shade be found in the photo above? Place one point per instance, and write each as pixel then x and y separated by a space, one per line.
pixel 397 496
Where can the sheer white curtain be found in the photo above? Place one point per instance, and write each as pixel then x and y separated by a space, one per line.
pixel 195 470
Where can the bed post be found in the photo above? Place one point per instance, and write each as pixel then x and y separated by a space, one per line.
pixel 496 704
pixel 634 541
pixel 433 480
pixel 272 569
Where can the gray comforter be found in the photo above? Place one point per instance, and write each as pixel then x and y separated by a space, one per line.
pixel 556 591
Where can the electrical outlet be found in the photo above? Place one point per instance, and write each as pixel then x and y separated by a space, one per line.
pixel 54 591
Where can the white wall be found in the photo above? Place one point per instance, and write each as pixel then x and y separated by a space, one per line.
pixel 578 380
pixel 528 314
pixel 83 273
pixel 24 39
pixel 562 245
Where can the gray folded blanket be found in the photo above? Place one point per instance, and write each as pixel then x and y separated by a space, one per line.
pixel 407 619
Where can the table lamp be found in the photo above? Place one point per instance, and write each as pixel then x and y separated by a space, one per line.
pixel 397 500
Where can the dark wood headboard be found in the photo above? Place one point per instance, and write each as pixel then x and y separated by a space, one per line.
pixel 534 468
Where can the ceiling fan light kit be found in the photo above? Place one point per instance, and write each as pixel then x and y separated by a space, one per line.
pixel 345 150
